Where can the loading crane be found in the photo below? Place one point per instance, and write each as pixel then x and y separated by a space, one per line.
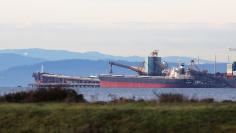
pixel 139 70
pixel 151 67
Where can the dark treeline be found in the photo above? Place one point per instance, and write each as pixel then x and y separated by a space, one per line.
pixel 53 94
pixel 60 94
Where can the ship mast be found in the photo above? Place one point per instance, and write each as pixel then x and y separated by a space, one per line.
pixel 42 69
pixel 215 66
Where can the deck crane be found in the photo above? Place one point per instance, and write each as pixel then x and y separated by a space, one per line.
pixel 139 70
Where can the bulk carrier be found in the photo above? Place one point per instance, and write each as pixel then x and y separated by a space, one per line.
pixel 156 74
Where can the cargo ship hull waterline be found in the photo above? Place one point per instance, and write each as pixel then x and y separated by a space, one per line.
pixel 143 82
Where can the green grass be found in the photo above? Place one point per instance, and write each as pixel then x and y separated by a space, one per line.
pixel 144 117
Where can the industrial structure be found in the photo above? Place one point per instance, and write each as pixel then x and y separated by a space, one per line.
pixel 43 79
pixel 153 66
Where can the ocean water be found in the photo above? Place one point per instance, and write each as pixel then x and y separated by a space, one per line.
pixel 102 94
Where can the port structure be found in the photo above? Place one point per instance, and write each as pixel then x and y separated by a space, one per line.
pixel 44 79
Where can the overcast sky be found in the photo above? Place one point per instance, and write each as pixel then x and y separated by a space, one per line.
pixel 121 27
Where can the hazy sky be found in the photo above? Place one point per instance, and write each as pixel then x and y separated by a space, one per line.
pixel 121 27
pixel 195 11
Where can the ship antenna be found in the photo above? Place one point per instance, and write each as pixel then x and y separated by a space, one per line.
pixel 178 62
pixel 215 66
pixel 111 71
pixel 42 69
pixel 228 59
pixel 198 60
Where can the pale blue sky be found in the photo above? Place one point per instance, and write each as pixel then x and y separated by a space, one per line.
pixel 121 27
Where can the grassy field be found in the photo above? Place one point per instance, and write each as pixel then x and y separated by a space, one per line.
pixel 143 117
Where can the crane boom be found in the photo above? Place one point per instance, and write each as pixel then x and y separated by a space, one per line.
pixel 140 72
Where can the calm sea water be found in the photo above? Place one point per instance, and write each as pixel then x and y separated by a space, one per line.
pixel 101 94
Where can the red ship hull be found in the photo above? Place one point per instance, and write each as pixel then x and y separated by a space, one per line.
pixel 111 81
pixel 142 82
pixel 108 84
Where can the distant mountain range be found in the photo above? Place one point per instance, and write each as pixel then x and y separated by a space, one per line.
pixel 17 66
pixel 8 60
pixel 92 55
pixel 64 55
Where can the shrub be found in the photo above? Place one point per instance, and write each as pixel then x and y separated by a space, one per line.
pixel 227 101
pixel 123 100
pixel 171 98
pixel 207 100
pixel 52 94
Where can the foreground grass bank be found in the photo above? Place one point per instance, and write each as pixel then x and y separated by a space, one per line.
pixel 143 117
